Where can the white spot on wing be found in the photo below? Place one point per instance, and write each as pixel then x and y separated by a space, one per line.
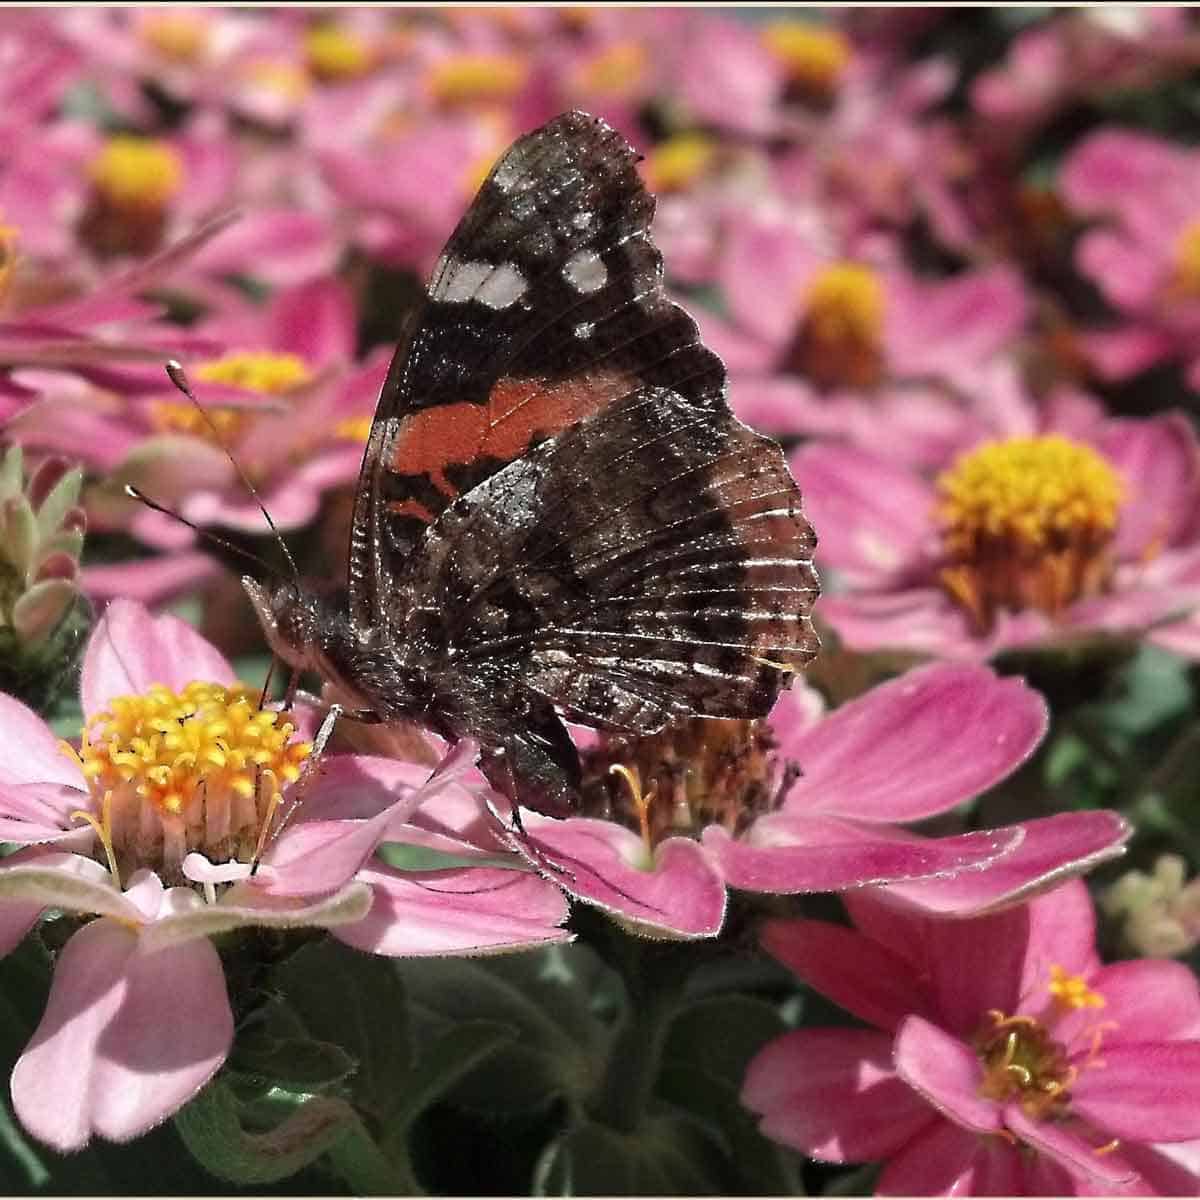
pixel 585 329
pixel 495 286
pixel 585 272
pixel 504 286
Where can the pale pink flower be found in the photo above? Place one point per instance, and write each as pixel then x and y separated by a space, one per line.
pixel 155 841
pixel 1003 1058
pixel 985 551
pixel 711 805
pixel 1144 253
pixel 814 334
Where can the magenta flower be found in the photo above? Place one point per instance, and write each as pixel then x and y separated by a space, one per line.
pixel 149 826
pixel 841 329
pixel 818 804
pixel 1002 1058
pixel 1144 253
pixel 1060 525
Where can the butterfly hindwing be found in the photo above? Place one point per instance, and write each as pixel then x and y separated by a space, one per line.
pixel 546 306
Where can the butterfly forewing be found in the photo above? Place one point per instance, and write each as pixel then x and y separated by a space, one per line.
pixel 546 305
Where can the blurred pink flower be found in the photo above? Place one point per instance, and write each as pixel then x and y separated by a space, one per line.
pixel 833 330
pixel 1144 254
pixel 724 807
pixel 1079 54
pixel 150 824
pixel 1004 1059
pixel 1062 525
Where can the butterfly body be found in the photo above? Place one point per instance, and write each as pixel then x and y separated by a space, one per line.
pixel 558 518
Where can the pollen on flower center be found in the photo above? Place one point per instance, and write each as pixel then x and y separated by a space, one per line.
pixel 693 774
pixel 179 37
pixel 1071 991
pixel 476 78
pixel 617 70
pixel 1023 1063
pixel 202 769
pixel 815 55
pixel 840 339
pixel 137 173
pixel 679 161
pixel 1185 280
pixel 264 372
pixel 1026 523
pixel 336 54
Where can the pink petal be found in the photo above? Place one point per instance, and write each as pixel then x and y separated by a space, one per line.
pixel 282 247
pixel 845 855
pixel 130 650
pixel 832 1094
pixel 856 973
pixel 150 581
pixel 1126 350
pixel 947 1073
pixel 17 918
pixel 472 911
pixel 1054 849
pixel 1159 462
pixel 31 752
pixel 315 321
pixel 1062 932
pixel 919 620
pixel 1147 999
pixel 1120 267
pixel 1063 1144
pixel 53 1083
pixel 874 758
pixel 767 259
pixel 1143 1092
pixel 679 891
pixel 946 1160
pixel 39 812
pixel 170 1035
pixel 873 518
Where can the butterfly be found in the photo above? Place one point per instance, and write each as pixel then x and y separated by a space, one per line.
pixel 558 518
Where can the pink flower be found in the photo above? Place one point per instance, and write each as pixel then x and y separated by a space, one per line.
pixel 840 330
pixel 1002 1058
pixel 1059 525
pixel 150 825
pixel 714 804
pixel 1144 253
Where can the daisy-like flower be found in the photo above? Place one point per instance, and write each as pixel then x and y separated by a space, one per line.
pixel 816 804
pixel 1002 1058
pixel 1060 525
pixel 844 331
pixel 1144 254
pixel 145 832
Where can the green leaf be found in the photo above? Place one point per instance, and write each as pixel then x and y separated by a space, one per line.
pixel 354 1001
pixel 549 999
pixel 276 1048
pixel 212 1129
pixel 667 1155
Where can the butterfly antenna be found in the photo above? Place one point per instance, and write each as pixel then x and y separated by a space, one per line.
pixel 176 374
pixel 136 493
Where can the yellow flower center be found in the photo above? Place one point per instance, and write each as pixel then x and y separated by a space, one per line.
pixel 8 257
pixel 179 37
pixel 477 78
pixel 264 372
pixel 284 78
pixel 1023 1063
pixel 840 342
pixel 1026 523
pixel 336 54
pixel 172 772
pixel 1185 280
pixel 678 162
pixel 137 174
pixel 615 71
pixel 815 55
pixel 693 774
pixel 353 429
pixel 1072 991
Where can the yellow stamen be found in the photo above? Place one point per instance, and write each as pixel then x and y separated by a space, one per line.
pixel 477 78
pixel 137 174
pixel 200 769
pixel 1023 1063
pixel 841 338
pixel 615 71
pixel 1027 523
pixel 815 55
pixel 641 803
pixel 1185 279
pixel 1072 991
pixel 262 371
pixel 8 257
pixel 179 37
pixel 678 162
pixel 353 429
pixel 102 826
pixel 336 54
